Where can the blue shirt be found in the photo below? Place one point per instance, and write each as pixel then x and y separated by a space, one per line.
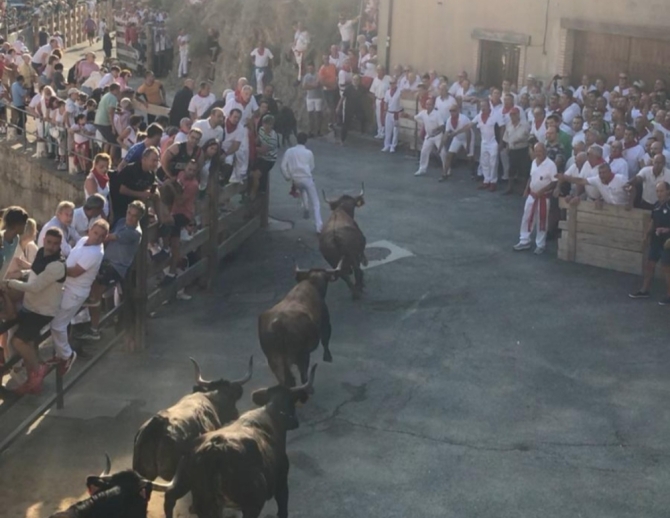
pixel 135 152
pixel 120 252
pixel 18 95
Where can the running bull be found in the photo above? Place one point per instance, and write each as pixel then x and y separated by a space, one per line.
pixel 161 441
pixel 125 494
pixel 341 239
pixel 291 330
pixel 244 464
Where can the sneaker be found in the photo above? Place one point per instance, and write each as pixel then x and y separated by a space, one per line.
pixel 182 295
pixel 520 247
pixel 62 166
pixel 539 250
pixel 420 173
pixel 64 366
pixel 664 301
pixel 88 303
pixel 392 150
pixel 184 235
pixel 385 149
pixel 91 334
pixel 639 295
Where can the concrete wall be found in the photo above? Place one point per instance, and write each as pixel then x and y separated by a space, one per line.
pixel 439 33
pixel 34 184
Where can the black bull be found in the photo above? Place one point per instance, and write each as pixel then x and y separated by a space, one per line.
pixel 244 464
pixel 292 329
pixel 161 441
pixel 341 240
pixel 125 494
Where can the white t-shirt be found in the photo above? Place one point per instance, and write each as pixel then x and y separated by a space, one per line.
pixel 247 111
pixel 343 79
pixel 487 128
pixel 539 133
pixel 231 137
pixel 431 121
pixel 568 115
pixel 633 155
pixel 444 105
pixel 182 41
pixel 41 53
pixel 665 131
pixel 649 182
pixel 199 104
pixel 619 166
pixel 89 258
pixel 379 87
pixel 613 193
pixel 346 30
pixel 261 60
pixel 338 61
pixel 106 80
pixel 208 132
pixel 35 102
pixel 541 175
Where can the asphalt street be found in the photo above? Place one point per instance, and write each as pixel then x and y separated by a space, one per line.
pixel 470 380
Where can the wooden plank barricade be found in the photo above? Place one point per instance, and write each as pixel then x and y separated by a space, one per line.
pixel 611 237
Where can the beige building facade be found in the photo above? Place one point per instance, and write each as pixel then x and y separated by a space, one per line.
pixel 509 39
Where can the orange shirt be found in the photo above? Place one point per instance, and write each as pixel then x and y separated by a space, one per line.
pixel 328 77
pixel 153 92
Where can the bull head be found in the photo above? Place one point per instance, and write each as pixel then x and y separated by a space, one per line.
pixel 214 385
pixel 128 482
pixel 332 275
pixel 346 202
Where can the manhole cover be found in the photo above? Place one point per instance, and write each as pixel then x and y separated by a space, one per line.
pixel 377 253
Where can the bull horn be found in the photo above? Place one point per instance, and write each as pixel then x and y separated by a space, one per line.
pixel 298 270
pixel 164 488
pixel 108 466
pixel 339 267
pixel 309 386
pixel 198 377
pixel 362 189
pixel 325 198
pixel 247 376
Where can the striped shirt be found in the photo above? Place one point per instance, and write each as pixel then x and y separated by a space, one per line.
pixel 270 141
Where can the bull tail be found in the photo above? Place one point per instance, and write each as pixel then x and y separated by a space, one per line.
pixel 145 450
pixel 278 356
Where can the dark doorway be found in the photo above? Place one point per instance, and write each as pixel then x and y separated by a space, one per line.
pixel 497 62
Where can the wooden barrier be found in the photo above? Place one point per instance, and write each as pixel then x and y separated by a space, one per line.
pixel 70 23
pixel 612 237
pixel 409 130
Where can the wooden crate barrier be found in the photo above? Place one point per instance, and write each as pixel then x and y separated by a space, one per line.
pixel 409 130
pixel 611 237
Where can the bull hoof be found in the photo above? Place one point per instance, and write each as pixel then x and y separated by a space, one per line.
pixel 327 357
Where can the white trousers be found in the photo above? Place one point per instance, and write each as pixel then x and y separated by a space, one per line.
pixel 298 59
pixel 241 165
pixel 69 307
pixel 378 114
pixel 310 198
pixel 488 161
pixel 183 62
pixel 531 221
pixel 260 73
pixel 391 132
pixel 430 144
pixel 504 160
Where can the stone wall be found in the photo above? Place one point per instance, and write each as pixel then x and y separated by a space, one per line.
pixel 34 184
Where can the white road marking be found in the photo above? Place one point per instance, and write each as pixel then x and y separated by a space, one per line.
pixel 396 253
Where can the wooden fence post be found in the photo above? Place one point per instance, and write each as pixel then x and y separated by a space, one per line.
pixel 212 249
pixel 149 53
pixel 136 295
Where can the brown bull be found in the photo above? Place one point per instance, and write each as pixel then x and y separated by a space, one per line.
pixel 161 441
pixel 244 464
pixel 342 240
pixel 291 330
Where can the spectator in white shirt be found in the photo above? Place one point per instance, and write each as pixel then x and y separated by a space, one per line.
pixel 336 57
pixel 617 163
pixel 261 58
pixel 185 126
pixel 433 125
pixel 297 167
pixel 569 110
pixel 110 77
pixel 201 101
pixel 453 89
pixel 611 187
pixel 63 221
pixel 82 267
pixel 212 127
pixel 88 213
pixel 347 31
pixel 380 85
pixel 541 183
pixel 647 179
pixel 39 59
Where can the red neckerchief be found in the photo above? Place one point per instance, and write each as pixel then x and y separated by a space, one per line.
pixel 631 145
pixel 231 127
pixel 507 110
pixel 101 178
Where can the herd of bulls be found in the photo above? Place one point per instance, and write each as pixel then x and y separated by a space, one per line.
pixel 202 444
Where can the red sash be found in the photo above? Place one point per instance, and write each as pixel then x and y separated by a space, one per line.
pixel 543 212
